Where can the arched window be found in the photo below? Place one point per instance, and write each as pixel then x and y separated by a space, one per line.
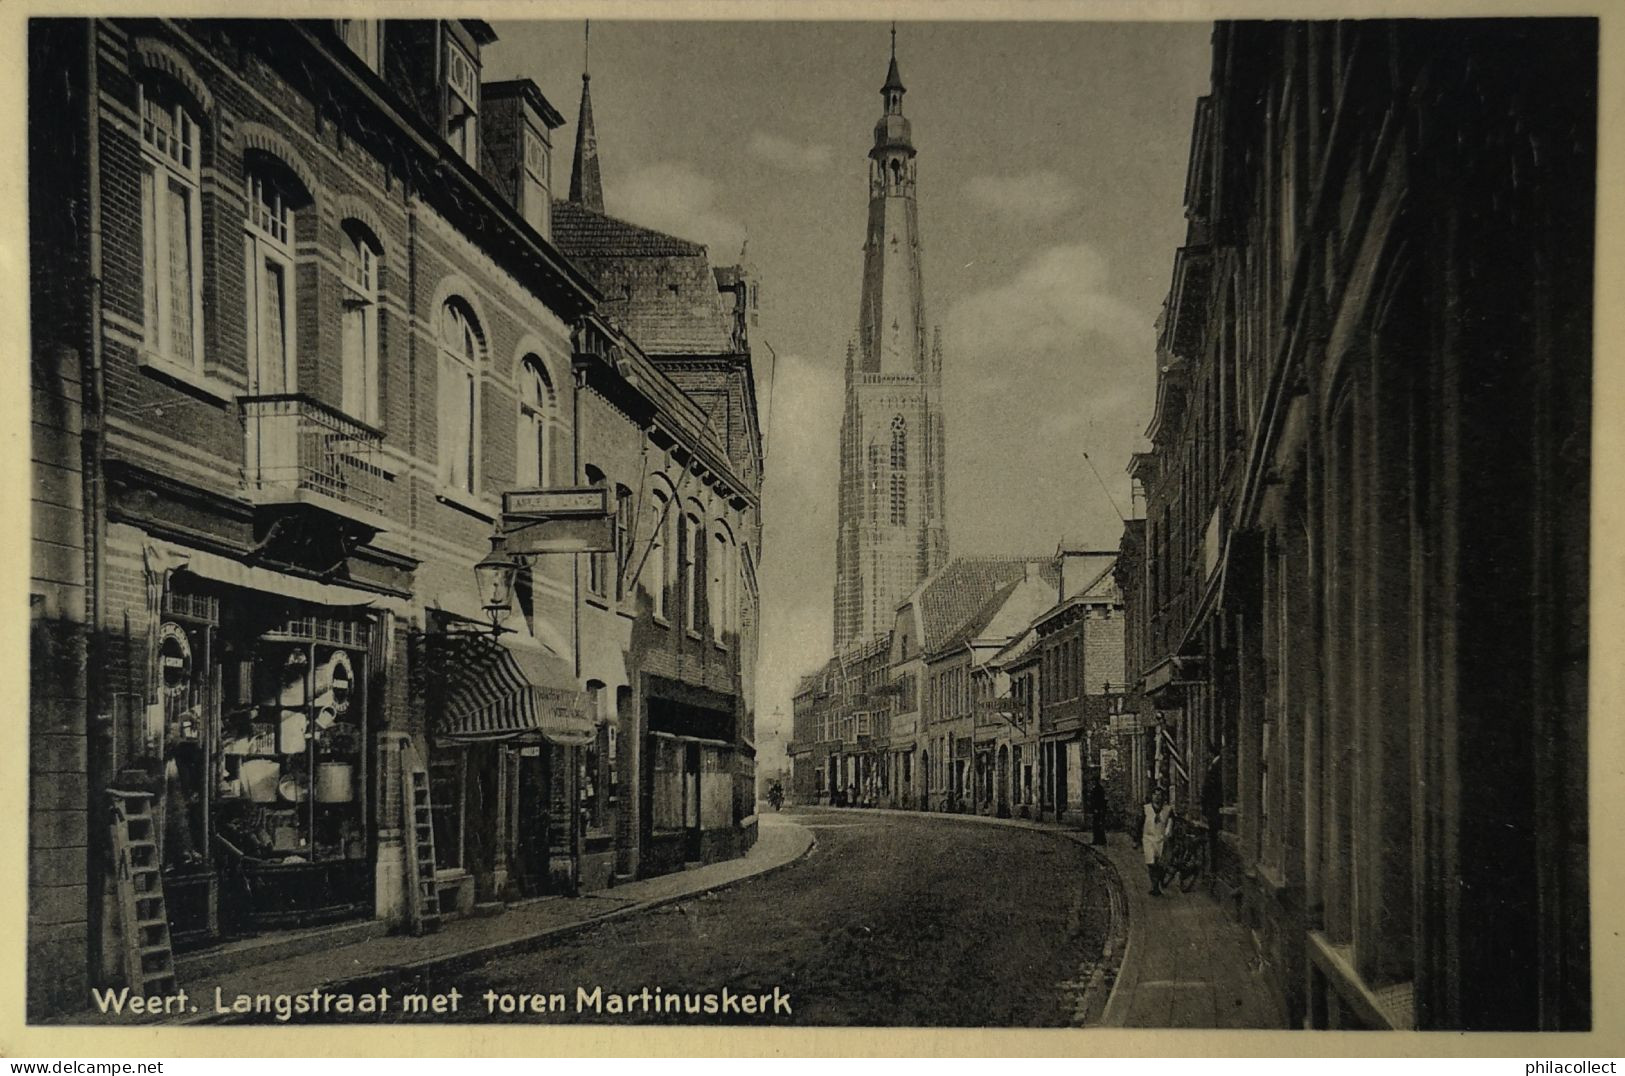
pixel 624 538
pixel 171 227
pixel 899 443
pixel 535 408
pixel 268 242
pixel 459 396
pixel 359 348
pixel 720 597
pixel 693 538
pixel 654 574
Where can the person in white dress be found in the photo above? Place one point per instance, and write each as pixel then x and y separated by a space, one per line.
pixel 1153 832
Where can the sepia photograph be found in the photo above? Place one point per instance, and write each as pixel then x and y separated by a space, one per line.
pixel 800 522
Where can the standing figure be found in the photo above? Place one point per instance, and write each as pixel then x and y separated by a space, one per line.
pixel 1097 811
pixel 1153 832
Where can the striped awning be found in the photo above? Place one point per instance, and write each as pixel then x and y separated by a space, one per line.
pixel 497 692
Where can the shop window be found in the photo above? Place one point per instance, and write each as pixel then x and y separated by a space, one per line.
pixel 458 411
pixel 595 778
pixel 290 774
pixel 667 806
pixel 359 344
pixel 171 228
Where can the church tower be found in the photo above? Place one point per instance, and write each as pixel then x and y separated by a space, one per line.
pixel 890 508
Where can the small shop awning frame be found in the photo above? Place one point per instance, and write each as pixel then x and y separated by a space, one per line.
pixel 490 691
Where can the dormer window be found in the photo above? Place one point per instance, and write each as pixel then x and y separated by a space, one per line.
pixel 462 103
pixel 365 37
pixel 535 193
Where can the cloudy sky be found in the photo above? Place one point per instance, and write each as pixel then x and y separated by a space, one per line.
pixel 1051 167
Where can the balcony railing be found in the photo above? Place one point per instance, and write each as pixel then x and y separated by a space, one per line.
pixel 298 446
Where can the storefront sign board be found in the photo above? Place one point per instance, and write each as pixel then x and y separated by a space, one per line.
pixel 541 504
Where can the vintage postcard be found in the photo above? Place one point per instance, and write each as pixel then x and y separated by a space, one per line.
pixel 921 518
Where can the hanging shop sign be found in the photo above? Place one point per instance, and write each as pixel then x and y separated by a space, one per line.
pixel 174 659
pixel 540 504
pixel 571 519
pixel 566 534
pixel 564 716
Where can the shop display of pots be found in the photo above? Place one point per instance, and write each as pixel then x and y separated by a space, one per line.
pixel 335 782
pixel 261 776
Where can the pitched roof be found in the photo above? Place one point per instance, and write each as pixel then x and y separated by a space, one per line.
pixel 956 592
pixel 973 625
pixel 658 288
pixel 584 233
pixel 1016 649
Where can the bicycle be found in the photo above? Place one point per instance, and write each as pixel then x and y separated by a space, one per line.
pixel 1183 861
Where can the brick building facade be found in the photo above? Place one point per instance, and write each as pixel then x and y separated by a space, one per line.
pixel 1361 606
pixel 298 323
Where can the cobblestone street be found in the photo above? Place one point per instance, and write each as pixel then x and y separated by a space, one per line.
pixel 891 921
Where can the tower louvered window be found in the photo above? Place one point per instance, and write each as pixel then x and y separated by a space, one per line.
pixel 899 472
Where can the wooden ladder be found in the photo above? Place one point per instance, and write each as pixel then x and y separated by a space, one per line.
pixel 422 898
pixel 149 959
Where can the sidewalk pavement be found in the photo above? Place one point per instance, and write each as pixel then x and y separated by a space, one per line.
pixel 364 966
pixel 1185 963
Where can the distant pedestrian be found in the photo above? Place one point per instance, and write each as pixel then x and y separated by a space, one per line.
pixel 1097 811
pixel 1153 831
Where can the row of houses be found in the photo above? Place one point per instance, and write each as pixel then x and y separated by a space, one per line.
pixel 1357 604
pixel 306 305
pixel 1350 634
pixel 1000 689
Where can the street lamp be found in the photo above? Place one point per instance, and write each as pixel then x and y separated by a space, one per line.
pixel 493 577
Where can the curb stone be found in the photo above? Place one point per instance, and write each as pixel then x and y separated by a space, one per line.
pixel 461 960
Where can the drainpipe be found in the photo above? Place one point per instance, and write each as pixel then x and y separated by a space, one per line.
pixel 98 728
pixel 579 376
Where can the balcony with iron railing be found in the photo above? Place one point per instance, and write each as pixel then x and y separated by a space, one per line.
pixel 299 450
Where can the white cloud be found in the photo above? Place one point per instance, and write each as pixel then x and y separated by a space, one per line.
pixel 790 155
pixel 1031 198
pixel 671 196
pixel 1059 297
pixel 1041 368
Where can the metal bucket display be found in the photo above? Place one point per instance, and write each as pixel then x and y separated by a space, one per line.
pixel 335 782
pixel 260 777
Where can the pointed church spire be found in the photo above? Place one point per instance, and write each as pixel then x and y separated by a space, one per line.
pixel 586 188
pixel 893 90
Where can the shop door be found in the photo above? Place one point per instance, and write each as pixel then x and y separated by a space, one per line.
pixel 1060 779
pixel 1004 782
pixel 530 863
pixel 691 802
